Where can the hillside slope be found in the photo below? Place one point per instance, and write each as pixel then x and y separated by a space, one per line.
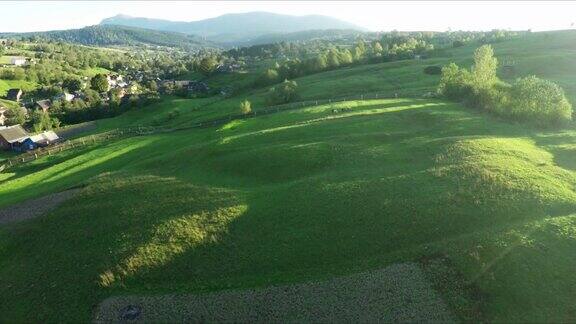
pixel 105 35
pixel 387 180
pixel 308 194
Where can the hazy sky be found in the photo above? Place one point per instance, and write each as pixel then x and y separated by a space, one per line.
pixel 377 16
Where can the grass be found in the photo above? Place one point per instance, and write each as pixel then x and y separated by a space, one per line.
pixel 306 195
pixel 90 72
pixel 6 85
pixel 388 181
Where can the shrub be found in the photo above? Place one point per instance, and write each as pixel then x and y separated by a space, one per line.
pixel 269 77
pixel 245 107
pixel 457 44
pixel 539 101
pixel 528 99
pixel 173 113
pixel 455 83
pixel 283 93
pixel 433 70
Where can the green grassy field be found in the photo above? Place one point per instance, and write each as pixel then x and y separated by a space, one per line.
pixel 391 180
pixel 6 85
pixel 305 195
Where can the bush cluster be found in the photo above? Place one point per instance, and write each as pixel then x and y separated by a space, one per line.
pixel 528 99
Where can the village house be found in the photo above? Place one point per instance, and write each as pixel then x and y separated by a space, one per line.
pixel 11 136
pixel 64 97
pixel 44 105
pixel 228 68
pixel 14 94
pixel 198 87
pixel 18 60
pixel 181 83
pixel 3 117
pixel 114 80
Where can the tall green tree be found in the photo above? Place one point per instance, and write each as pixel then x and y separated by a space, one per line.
pixel 207 65
pixel 73 84
pixel 99 83
pixel 484 68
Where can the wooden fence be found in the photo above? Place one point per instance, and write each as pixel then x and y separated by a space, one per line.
pixel 149 130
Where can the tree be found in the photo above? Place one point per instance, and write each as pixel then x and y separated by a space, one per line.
pixel 41 121
pixel 270 76
pixel 378 48
pixel 484 68
pixel 207 65
pixel 540 101
pixel 454 83
pixel 99 83
pixel 332 59
pixel 19 73
pixel 16 116
pixel 245 107
pixel 283 93
pixel 73 84
pixel 153 86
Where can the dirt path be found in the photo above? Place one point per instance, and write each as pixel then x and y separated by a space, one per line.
pixel 34 207
pixel 76 130
pixel 398 293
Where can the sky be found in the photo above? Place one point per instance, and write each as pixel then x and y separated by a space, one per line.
pixel 27 16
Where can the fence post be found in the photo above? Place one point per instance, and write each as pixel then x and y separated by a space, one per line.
pixel 35 156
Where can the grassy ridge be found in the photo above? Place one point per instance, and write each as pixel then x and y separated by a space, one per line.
pixel 390 180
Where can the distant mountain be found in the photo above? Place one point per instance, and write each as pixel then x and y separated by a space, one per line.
pixel 241 27
pixel 106 35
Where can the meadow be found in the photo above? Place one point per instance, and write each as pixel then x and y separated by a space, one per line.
pixel 306 194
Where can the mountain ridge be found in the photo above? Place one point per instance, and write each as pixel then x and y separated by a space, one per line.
pixel 235 27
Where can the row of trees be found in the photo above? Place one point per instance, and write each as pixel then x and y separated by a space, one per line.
pixel 527 99
pixel 336 57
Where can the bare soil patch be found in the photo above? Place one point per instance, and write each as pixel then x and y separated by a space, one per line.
pixel 34 207
pixel 398 293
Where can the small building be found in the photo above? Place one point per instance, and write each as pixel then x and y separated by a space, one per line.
pixel 11 136
pixel 25 145
pixel 44 139
pixel 3 117
pixel 43 104
pixel 182 83
pixel 64 97
pixel 113 80
pixel 198 87
pixel 14 94
pixel 18 60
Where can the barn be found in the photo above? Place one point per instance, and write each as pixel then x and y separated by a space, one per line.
pixel 11 136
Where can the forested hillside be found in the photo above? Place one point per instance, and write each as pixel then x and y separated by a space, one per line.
pixel 106 35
